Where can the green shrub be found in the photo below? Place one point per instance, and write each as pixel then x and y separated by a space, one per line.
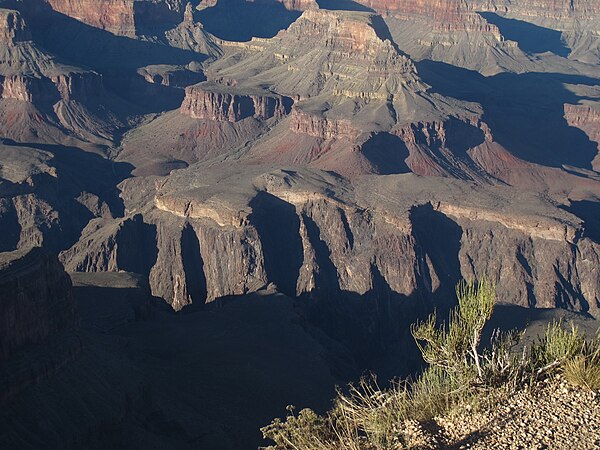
pixel 455 348
pixel 305 431
pixel 557 346
pixel 369 418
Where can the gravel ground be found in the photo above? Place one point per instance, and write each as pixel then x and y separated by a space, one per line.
pixel 553 415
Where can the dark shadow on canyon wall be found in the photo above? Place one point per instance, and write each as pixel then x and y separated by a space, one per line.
pixel 241 21
pixel 439 237
pixel 193 265
pixel 84 171
pixel 524 111
pixel 533 321
pixel 589 212
pixel 344 5
pixel 326 279
pixel 82 44
pixel 117 58
pixel 78 171
pixel 278 226
pixel 9 224
pixel 141 252
pixel 531 38
pixel 387 153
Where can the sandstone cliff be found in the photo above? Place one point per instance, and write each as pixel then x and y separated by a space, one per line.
pixel 219 103
pixel 124 17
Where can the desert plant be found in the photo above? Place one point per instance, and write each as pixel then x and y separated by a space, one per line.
pixel 502 365
pixel 303 431
pixel 556 346
pixel 366 417
pixel 373 412
pixel 455 347
pixel 583 372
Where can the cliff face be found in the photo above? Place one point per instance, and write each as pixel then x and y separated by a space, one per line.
pixel 350 56
pixel 211 102
pixel 12 27
pixel 298 5
pixel 322 127
pixel 456 15
pixel 70 86
pixel 308 237
pixel 445 15
pixel 36 300
pixel 548 9
pixel 47 99
pixel 123 17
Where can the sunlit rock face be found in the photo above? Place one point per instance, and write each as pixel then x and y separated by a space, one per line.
pixel 123 17
pixel 219 103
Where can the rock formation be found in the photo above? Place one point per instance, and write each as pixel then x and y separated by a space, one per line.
pixel 220 103
pixel 53 98
pixel 587 118
pixel 289 176
pixel 123 17
pixel 307 236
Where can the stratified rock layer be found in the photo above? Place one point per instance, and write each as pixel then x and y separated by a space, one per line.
pixel 310 235
pixel 126 17
pixel 219 103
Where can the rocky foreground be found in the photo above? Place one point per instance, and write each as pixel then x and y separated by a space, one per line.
pixel 550 415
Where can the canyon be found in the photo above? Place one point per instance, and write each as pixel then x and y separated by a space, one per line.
pixel 212 209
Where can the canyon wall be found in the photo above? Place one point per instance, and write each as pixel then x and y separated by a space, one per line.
pixel 36 299
pixel 222 104
pixel 317 243
pixel 123 17
pixel 445 15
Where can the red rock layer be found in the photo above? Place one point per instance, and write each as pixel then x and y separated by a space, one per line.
pixel 446 15
pixel 322 127
pixel 67 86
pixel 549 9
pixel 201 103
pixel 124 17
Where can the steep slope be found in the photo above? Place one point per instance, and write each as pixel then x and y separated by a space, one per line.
pixel 450 31
pixel 351 86
pixel 123 17
pixel 48 194
pixel 312 234
pixel 38 316
pixel 45 100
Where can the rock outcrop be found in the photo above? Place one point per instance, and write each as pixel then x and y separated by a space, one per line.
pixel 54 99
pixel 351 56
pixel 559 10
pixel 219 103
pixel 317 125
pixel 123 17
pixel 310 236
pixel 445 15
